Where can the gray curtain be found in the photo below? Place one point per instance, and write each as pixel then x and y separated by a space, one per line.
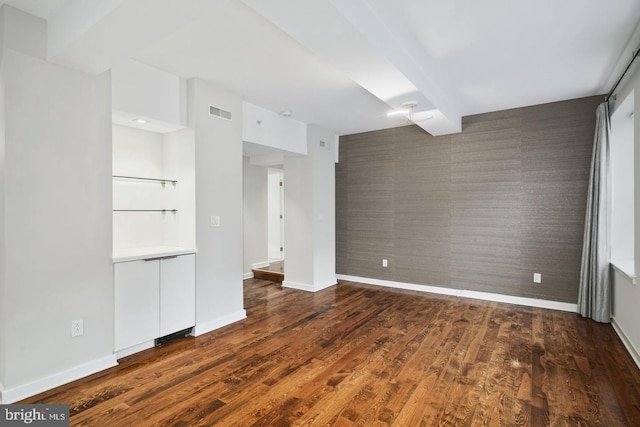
pixel 594 298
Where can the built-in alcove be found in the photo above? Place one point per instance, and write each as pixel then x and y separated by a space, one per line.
pixel 153 193
pixel 153 236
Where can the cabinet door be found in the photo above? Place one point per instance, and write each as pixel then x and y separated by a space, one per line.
pixel 177 294
pixel 136 302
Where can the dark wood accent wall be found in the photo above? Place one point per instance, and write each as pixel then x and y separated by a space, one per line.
pixel 481 210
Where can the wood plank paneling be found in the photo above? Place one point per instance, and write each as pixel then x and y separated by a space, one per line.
pixel 480 210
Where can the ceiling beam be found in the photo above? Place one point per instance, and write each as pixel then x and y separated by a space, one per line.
pixel 93 36
pixel 379 23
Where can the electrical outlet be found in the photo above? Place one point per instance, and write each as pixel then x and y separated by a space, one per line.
pixel 385 263
pixel 537 278
pixel 77 328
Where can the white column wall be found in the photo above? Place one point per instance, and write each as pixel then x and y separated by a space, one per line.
pixel 57 224
pixel 310 214
pixel 321 143
pixel 298 223
pixel 3 240
pixel 218 153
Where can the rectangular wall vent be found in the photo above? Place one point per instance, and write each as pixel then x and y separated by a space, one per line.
pixel 219 112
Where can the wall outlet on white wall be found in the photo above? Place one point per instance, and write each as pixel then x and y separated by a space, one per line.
pixel 214 221
pixel 537 278
pixel 77 328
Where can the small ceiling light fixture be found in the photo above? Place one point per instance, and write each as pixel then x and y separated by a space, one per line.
pixel 407 110
pixel 409 105
pixel 285 113
pixel 141 121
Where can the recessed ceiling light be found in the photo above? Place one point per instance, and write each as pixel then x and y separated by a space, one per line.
pixel 141 121
pixel 397 112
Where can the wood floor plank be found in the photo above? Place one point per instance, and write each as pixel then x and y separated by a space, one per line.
pixel 360 355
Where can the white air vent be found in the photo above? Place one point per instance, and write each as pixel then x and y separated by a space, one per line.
pixel 219 112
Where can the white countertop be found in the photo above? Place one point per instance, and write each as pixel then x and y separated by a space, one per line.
pixel 135 254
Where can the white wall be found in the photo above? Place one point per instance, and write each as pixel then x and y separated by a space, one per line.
pixel 218 153
pixel 324 185
pixel 274 211
pixel 57 224
pixel 265 127
pixel 179 163
pixel 625 312
pixel 141 91
pixel 626 315
pixel 298 230
pixel 309 194
pixel 254 196
pixel 3 308
pixel 23 32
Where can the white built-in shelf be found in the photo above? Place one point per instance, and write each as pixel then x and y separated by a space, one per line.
pixel 164 211
pixel 161 181
pixel 138 178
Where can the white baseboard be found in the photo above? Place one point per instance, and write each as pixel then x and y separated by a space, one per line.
pixel 16 394
pixel 262 264
pixel 135 349
pixel 212 325
pixel 635 354
pixel 308 287
pixel 246 276
pixel 531 302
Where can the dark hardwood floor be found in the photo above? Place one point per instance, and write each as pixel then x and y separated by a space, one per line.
pixel 274 272
pixel 362 355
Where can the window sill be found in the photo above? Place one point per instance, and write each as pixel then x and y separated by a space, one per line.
pixel 626 267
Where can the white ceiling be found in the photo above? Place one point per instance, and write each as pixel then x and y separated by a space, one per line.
pixel 344 64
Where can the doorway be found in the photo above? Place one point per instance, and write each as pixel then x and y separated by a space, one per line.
pixel 275 214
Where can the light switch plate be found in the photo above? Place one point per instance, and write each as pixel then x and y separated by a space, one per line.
pixel 214 221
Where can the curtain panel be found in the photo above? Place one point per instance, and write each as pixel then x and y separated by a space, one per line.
pixel 594 297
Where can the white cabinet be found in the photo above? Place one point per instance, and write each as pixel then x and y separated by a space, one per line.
pixel 153 298
pixel 137 302
pixel 177 294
